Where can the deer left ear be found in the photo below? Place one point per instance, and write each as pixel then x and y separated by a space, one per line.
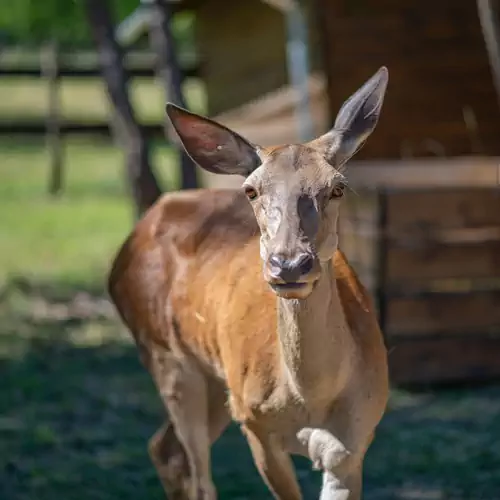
pixel 213 146
pixel 355 121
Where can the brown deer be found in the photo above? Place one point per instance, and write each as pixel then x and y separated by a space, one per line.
pixel 243 307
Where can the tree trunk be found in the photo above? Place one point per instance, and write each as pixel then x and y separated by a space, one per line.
pixel 141 180
pixel 163 44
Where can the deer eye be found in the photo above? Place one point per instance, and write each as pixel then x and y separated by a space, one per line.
pixel 250 193
pixel 337 191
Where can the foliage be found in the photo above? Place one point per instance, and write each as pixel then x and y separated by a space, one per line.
pixel 35 21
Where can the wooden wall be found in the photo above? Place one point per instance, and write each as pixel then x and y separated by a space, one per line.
pixel 243 51
pixel 431 257
pixel 438 68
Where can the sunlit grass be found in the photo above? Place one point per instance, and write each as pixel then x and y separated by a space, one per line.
pixel 85 100
pixel 73 236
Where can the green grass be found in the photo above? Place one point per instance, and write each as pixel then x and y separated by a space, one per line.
pixel 74 236
pixel 77 408
pixel 85 100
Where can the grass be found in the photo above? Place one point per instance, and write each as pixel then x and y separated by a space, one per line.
pixel 77 408
pixel 85 100
pixel 67 237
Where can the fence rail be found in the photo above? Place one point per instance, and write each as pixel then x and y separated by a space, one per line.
pixel 55 65
pixel 67 71
pixel 74 128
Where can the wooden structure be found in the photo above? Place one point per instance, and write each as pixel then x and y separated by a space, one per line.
pixel 424 235
pixel 441 97
pixel 242 50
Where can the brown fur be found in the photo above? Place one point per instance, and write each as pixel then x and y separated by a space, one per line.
pixel 179 290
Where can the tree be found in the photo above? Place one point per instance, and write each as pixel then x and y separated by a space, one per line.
pixel 141 180
pixel 29 21
pixel 163 44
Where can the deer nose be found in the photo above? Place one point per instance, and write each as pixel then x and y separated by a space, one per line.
pixel 290 269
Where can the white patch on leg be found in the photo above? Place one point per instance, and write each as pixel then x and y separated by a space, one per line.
pixel 323 448
pixel 331 489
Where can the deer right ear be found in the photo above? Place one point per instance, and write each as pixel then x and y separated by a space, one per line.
pixel 211 145
pixel 355 121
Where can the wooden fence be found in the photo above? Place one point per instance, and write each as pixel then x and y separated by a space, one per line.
pixel 55 65
pixel 424 236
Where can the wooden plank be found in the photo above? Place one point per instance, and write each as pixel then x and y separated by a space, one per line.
pixel 189 71
pixel 49 62
pixel 462 235
pixel 271 104
pixel 444 360
pixel 454 208
pixel 85 64
pixel 424 238
pixel 280 130
pixel 417 48
pixel 443 261
pixel 433 173
pixel 38 127
pixel 456 286
pixel 358 236
pixel 237 65
pixel 446 314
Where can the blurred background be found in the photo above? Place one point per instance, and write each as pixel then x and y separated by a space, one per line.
pixel 84 150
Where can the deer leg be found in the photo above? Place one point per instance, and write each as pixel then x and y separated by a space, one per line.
pixel 341 469
pixel 274 466
pixel 345 488
pixel 167 452
pixel 180 450
pixel 170 460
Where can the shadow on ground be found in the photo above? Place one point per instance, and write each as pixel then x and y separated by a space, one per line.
pixel 77 408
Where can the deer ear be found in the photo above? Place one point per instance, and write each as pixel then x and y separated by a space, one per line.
pixel 355 121
pixel 211 145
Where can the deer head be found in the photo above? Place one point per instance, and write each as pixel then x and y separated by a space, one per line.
pixel 295 189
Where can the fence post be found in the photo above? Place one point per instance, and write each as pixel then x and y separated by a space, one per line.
pixel 49 62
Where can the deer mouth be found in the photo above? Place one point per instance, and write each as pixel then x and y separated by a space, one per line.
pixel 289 286
pixel 293 290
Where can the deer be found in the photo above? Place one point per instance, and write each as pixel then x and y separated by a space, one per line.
pixel 244 308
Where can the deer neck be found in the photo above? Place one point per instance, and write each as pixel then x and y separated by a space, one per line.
pixel 314 340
